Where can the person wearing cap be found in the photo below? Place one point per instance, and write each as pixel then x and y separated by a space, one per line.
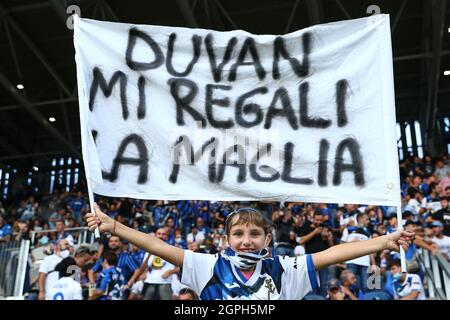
pixel 335 290
pixel 440 239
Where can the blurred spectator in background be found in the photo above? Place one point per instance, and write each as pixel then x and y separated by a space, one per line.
pixel 187 294
pixel 284 233
pixel 77 206
pixel 443 215
pixel 58 215
pixel 360 266
pixel 406 286
pixel 440 239
pixel 442 170
pixel 67 287
pixel 47 275
pixel 61 232
pixel 316 237
pixel 5 230
pixel 335 290
pixel 126 264
pixel 348 281
pixel 201 227
pixel 195 235
pixel 349 216
pixel 110 283
pixel 137 253
pixel 444 183
pixel 157 284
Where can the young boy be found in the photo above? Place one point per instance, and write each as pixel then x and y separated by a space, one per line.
pixel 110 283
pixel 244 271
pixel 406 286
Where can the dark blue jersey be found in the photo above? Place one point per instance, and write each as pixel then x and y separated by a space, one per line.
pixel 126 264
pixel 111 282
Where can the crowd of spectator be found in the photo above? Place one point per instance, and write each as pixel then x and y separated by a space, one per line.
pixel 115 269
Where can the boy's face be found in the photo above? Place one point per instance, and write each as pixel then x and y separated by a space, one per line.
pixel 393 222
pixel 395 269
pixel 247 238
pixel 105 264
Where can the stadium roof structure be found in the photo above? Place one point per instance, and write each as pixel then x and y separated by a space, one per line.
pixel 37 68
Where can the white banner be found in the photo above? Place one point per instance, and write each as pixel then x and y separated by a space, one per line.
pixel 177 113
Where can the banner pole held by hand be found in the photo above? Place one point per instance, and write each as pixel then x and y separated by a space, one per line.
pixel 91 202
pixel 400 227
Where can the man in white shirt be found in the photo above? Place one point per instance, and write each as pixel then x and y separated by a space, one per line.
pixel 359 266
pixel 67 287
pixel 440 239
pixel 195 235
pixel 47 274
pixel 157 284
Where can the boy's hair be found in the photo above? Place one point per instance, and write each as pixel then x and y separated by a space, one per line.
pixel 395 262
pixel 245 216
pixel 110 258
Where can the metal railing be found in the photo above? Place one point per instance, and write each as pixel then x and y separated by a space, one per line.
pixel 84 237
pixel 437 274
pixel 13 266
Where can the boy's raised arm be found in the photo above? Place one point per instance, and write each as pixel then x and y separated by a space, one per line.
pixel 148 242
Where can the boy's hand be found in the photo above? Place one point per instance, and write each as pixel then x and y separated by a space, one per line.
pixel 104 222
pixel 399 238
